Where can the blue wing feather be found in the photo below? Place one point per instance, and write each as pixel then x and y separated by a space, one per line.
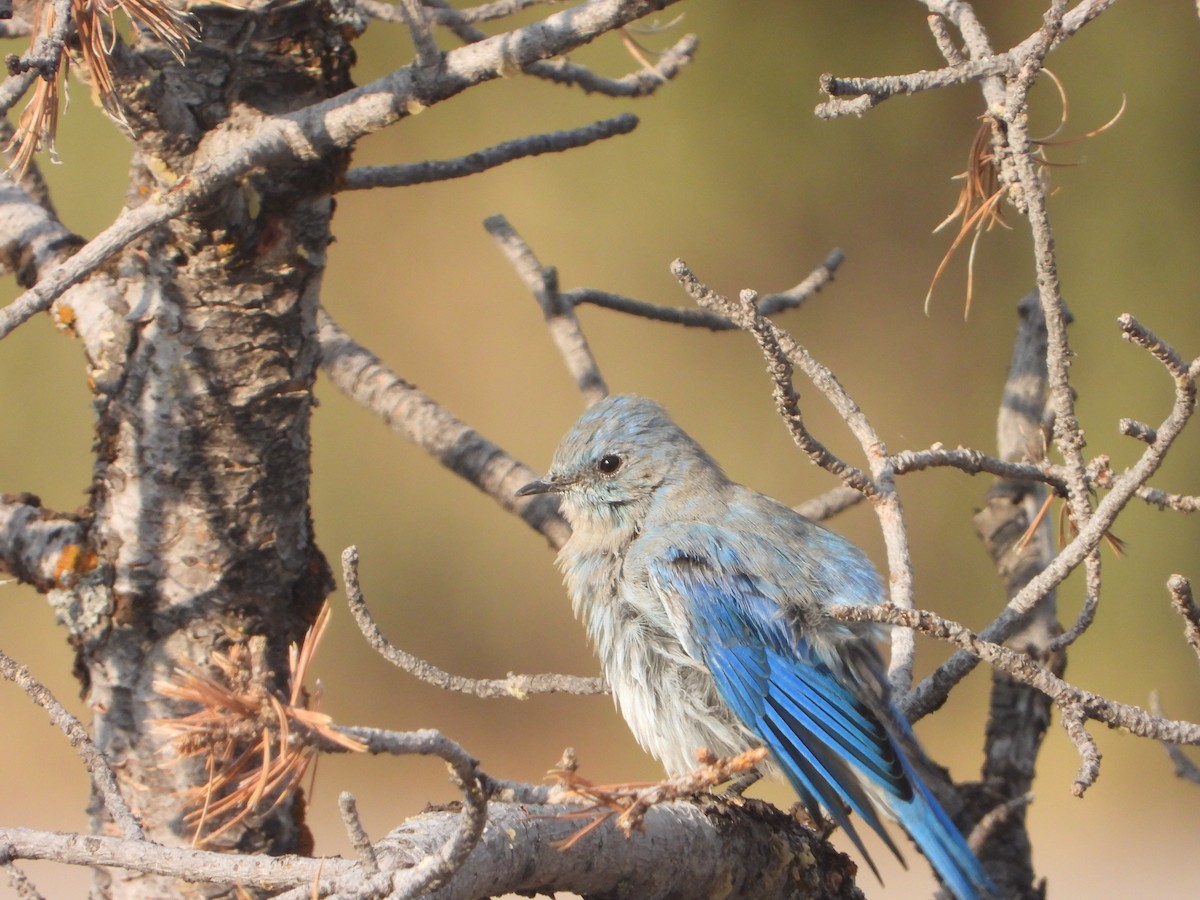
pixel 825 738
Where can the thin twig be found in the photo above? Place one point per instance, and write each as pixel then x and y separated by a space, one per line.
pixel 1184 767
pixel 366 177
pixel 561 321
pixel 338 122
pixel 1182 603
pixel 782 351
pixel 829 504
pixel 768 305
pixel 1074 721
pixel 514 686
pixel 102 776
pixel 359 839
pixel 931 692
pixel 1163 500
pixel 974 462
pixel 21 885
pixel 1082 704
pixel 996 817
pixel 436 868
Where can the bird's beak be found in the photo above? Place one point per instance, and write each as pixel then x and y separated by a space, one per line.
pixel 549 486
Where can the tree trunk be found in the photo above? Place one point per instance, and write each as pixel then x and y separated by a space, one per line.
pixel 200 541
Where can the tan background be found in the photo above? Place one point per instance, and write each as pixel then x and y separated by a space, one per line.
pixel 731 171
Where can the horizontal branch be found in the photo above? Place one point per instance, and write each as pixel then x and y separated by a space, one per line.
pixel 866 93
pixel 768 305
pixel 40 547
pixel 973 462
pixel 1179 502
pixel 366 177
pixel 747 850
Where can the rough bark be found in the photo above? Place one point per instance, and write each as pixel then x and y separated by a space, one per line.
pixel 1020 714
pixel 202 364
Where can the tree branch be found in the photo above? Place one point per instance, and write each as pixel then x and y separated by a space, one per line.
pixel 782 351
pixel 561 321
pixel 768 305
pixel 366 177
pixel 359 374
pixel 514 686
pixel 926 696
pixel 41 548
pixel 283 140
pixel 103 780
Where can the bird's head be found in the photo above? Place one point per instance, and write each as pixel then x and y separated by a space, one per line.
pixel 609 465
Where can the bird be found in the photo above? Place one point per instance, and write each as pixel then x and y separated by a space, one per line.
pixel 706 603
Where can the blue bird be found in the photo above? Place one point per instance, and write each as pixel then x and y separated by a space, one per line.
pixel 706 603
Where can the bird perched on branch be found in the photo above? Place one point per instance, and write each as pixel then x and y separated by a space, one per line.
pixel 706 602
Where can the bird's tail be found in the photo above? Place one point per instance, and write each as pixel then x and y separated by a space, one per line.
pixel 942 843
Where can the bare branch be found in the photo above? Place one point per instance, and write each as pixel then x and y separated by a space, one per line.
pixel 435 868
pixel 745 316
pixel 561 320
pixel 359 374
pixel 102 777
pixel 1026 670
pixel 514 686
pixel 996 817
pixel 338 122
pixel 867 93
pixel 642 83
pixel 1163 500
pixel 40 547
pixel 1074 720
pixel 973 462
pixel 829 504
pixel 944 40
pixel 1139 431
pixel 782 351
pixel 768 305
pixel 365 177
pixel 1184 767
pixel 925 697
pixel 498 9
pixel 20 882
pixel 560 71
pixel 1182 603
pixel 14 88
pixel 357 834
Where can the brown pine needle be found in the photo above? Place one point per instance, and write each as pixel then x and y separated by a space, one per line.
pixel 257 745
pixel 93 20
pixel 1066 529
pixel 978 206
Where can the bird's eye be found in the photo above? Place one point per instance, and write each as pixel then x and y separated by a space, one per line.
pixel 609 464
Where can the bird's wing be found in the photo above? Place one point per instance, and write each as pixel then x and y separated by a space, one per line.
pixel 816 728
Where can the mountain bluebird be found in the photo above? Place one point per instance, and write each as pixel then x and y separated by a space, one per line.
pixel 706 603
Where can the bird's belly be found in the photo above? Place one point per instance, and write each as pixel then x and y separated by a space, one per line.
pixel 669 701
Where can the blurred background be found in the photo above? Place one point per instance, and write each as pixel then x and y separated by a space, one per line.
pixel 731 171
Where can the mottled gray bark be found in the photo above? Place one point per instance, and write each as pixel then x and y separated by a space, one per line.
pixel 203 363
pixel 1020 713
